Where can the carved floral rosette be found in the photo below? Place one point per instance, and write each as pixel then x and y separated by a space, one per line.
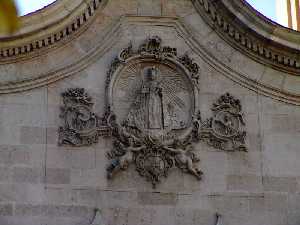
pixel 79 122
pixel 152 97
pixel 224 130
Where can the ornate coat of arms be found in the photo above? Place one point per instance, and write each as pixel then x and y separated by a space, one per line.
pixel 152 114
pixel 80 123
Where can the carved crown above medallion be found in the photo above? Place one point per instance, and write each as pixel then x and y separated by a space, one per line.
pixel 152 114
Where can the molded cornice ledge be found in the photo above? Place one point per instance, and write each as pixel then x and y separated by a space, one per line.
pixel 47 27
pixel 252 33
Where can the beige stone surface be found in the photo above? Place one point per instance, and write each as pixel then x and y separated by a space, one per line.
pixel 42 183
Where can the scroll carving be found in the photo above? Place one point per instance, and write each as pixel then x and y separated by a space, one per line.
pixel 79 121
pixel 224 130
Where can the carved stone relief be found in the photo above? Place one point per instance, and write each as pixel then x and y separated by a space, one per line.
pixel 152 114
pixel 225 129
pixel 152 94
pixel 79 122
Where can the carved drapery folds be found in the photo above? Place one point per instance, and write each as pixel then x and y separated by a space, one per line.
pixel 152 114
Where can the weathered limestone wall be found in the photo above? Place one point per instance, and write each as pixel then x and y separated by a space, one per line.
pixel 42 183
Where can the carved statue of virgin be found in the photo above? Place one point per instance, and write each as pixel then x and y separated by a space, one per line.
pixel 148 110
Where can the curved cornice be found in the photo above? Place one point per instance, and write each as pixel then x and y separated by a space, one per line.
pixel 253 34
pixel 47 27
pixel 114 34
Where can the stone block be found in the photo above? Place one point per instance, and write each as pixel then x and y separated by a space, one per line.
pixel 271 202
pixel 85 159
pixel 292 84
pixel 244 182
pixel 22 193
pixel 5 174
pixel 61 196
pixel 59 157
pixel 14 155
pixel 240 163
pixel 6 210
pixel 52 210
pixel 149 8
pixel 280 184
pixel 112 198
pixel 250 69
pixel 52 135
pixel 141 216
pixel 27 175
pixel 163 215
pixel 272 78
pixel 30 210
pixel 153 198
pixel 280 155
pixel 9 134
pixel 117 215
pixel 31 114
pixel 229 204
pixel 33 135
pixel 184 216
pixel 58 176
pixel 68 210
pixel 91 178
pixel 93 197
pixel 121 7
pixel 180 8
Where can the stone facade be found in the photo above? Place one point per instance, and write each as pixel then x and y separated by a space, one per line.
pixel 45 183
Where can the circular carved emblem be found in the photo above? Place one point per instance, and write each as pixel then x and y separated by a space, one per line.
pixel 81 119
pixel 225 124
pixel 155 98
pixel 153 165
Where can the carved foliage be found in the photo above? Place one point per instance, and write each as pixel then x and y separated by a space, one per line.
pixel 79 122
pixel 225 129
pixel 152 157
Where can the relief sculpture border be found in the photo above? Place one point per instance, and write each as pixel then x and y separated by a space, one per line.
pixel 159 122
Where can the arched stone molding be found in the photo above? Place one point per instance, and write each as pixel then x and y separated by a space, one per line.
pixel 252 33
pixel 113 28
pixel 46 28
pixel 114 33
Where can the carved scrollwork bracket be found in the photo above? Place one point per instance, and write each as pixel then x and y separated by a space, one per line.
pixel 225 130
